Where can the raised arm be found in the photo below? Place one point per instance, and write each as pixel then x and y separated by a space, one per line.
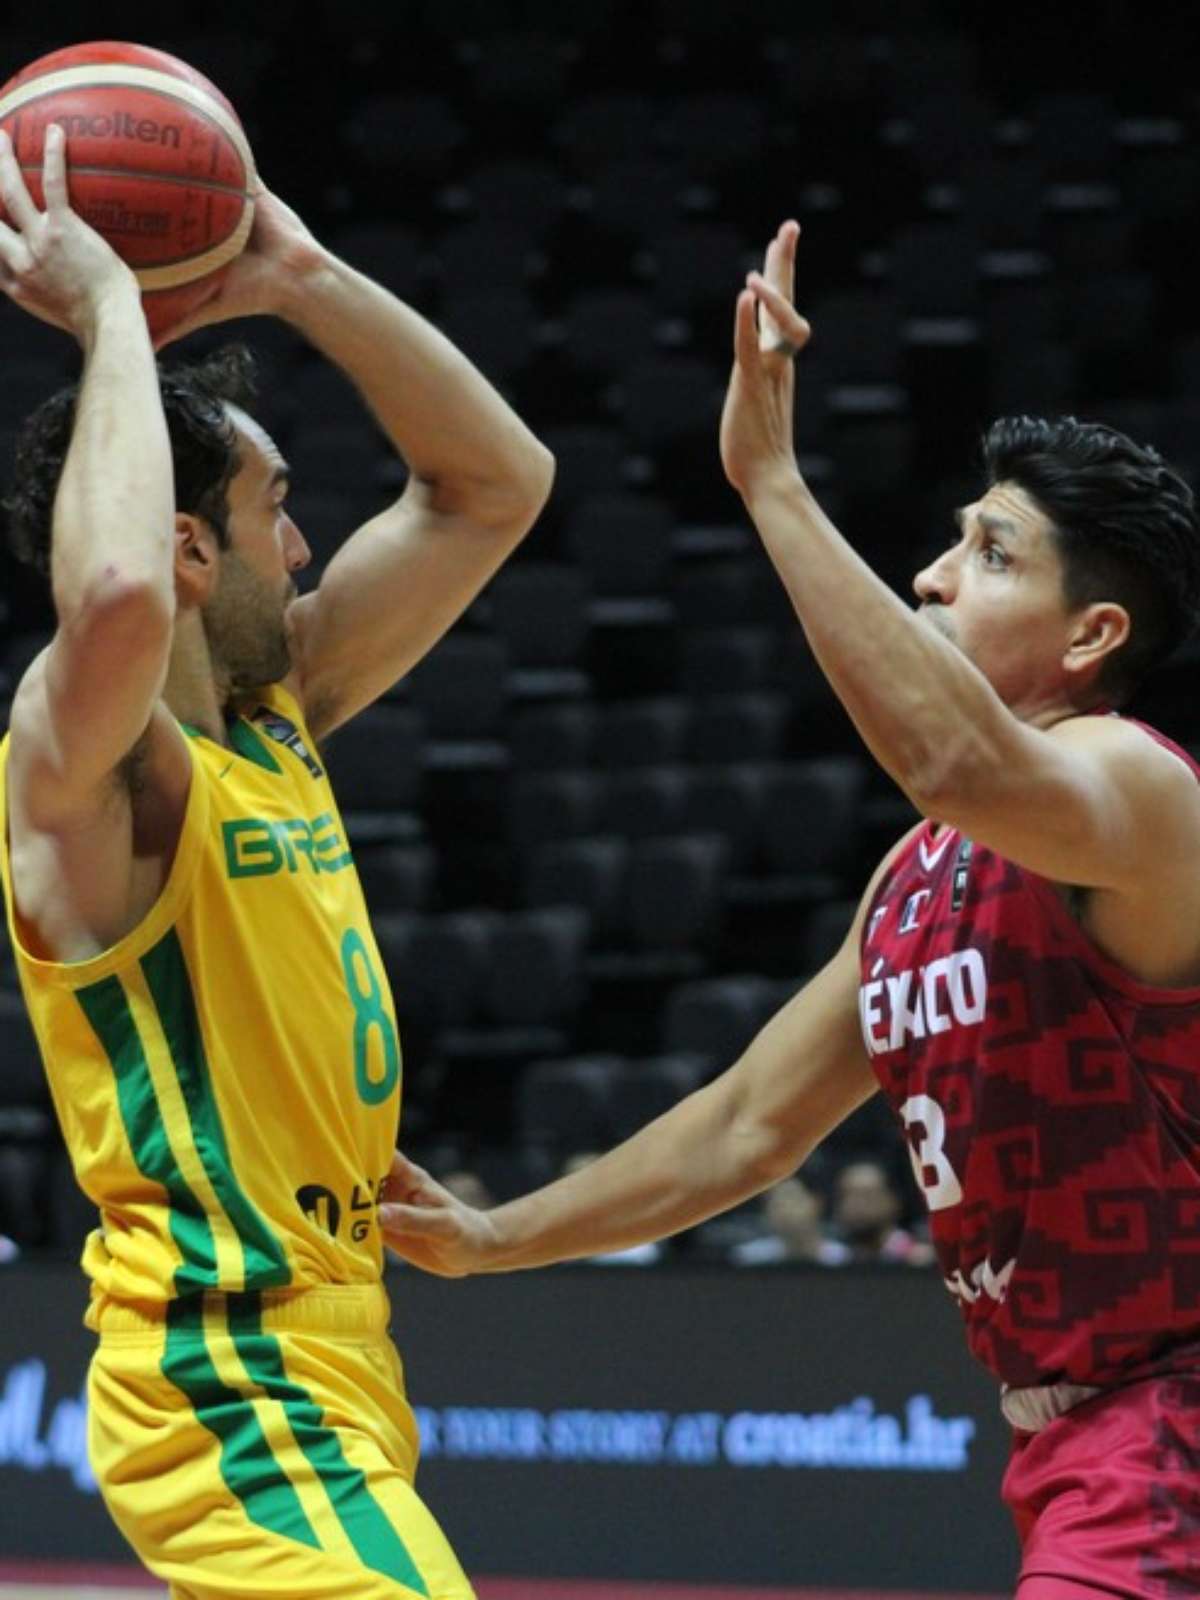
pixel 87 699
pixel 806 1071
pixel 478 477
pixel 1085 801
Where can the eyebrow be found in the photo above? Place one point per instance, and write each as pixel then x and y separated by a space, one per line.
pixel 988 522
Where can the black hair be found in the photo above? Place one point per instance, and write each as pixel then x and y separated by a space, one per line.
pixel 1125 526
pixel 204 449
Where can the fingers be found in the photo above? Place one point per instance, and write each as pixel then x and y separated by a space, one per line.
pixel 12 188
pixel 746 348
pixel 787 322
pixel 784 278
pixel 405 1179
pixel 779 273
pixel 407 1219
pixel 54 169
pixel 769 334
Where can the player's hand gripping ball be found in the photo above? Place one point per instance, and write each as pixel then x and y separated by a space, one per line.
pixel 157 162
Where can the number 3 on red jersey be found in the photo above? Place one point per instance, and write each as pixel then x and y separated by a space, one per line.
pixel 925 1125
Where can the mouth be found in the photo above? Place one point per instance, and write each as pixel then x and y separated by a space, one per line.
pixel 935 617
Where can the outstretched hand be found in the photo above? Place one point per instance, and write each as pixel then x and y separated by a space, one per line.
pixel 279 251
pixel 425 1224
pixel 757 421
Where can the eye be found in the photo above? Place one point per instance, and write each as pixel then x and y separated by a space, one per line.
pixel 994 555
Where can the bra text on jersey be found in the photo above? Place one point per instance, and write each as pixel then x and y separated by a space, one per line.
pixel 903 1006
pixel 257 847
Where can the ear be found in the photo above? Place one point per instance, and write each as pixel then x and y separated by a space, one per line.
pixel 1099 629
pixel 197 555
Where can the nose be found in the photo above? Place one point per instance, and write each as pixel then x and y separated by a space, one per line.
pixel 937 581
pixel 297 552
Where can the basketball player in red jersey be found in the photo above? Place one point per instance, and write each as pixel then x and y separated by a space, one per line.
pixel 1022 978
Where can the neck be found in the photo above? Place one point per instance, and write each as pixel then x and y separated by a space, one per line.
pixel 195 690
pixel 1045 713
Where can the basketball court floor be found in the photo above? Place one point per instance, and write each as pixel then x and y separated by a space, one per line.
pixel 51 1581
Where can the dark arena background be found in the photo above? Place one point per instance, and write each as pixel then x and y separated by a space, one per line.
pixel 616 817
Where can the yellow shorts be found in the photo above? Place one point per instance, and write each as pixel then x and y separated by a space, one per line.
pixel 261 1445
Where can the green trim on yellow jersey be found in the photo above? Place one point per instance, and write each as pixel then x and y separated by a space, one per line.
pixel 107 1009
pixel 247 742
pixel 170 985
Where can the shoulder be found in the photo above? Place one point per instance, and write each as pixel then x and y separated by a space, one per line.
pixel 1132 755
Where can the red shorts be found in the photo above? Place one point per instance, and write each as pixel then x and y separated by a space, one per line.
pixel 1107 1497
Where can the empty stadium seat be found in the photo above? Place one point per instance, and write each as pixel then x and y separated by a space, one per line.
pixel 535 966
pixel 591 873
pixel 374 759
pixel 716 1018
pixel 640 733
pixel 675 892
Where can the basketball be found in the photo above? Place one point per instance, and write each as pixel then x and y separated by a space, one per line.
pixel 157 162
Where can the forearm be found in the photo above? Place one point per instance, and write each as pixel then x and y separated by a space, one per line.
pixel 921 707
pixel 691 1163
pixel 114 511
pixel 453 430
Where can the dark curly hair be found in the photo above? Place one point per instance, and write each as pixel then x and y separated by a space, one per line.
pixel 203 449
pixel 1125 526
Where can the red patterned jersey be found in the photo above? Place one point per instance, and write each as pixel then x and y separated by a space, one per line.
pixel 1052 1108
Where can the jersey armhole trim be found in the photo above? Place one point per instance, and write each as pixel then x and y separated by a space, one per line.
pixel 1102 967
pixel 162 915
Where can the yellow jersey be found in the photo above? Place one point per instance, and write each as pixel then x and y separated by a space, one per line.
pixel 227 1076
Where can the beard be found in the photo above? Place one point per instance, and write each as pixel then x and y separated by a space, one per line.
pixel 246 626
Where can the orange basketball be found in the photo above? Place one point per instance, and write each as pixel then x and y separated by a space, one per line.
pixel 157 162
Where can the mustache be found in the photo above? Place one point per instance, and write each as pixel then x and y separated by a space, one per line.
pixel 935 614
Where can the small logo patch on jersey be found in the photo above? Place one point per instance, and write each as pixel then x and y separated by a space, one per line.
pixel 286 733
pixel 910 917
pixel 321 1205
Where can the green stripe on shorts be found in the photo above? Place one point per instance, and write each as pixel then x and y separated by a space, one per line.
pixel 366 1524
pixel 106 1007
pixel 248 1464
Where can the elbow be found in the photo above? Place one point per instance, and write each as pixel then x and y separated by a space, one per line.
pixel 956 773
pixel 509 502
pixel 948 791
pixel 521 498
pixel 765 1152
pixel 132 603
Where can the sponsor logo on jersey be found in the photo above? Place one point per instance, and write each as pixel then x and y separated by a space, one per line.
pixel 962 872
pixel 259 847
pixel 910 917
pixel 900 1007
pixel 286 733
pixel 324 1208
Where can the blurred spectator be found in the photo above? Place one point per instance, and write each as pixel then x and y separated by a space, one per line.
pixel 638 1255
pixel 866 1215
pixel 795 1230
pixel 8 1250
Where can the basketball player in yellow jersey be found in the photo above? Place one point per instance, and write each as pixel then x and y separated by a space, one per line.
pixel 189 931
